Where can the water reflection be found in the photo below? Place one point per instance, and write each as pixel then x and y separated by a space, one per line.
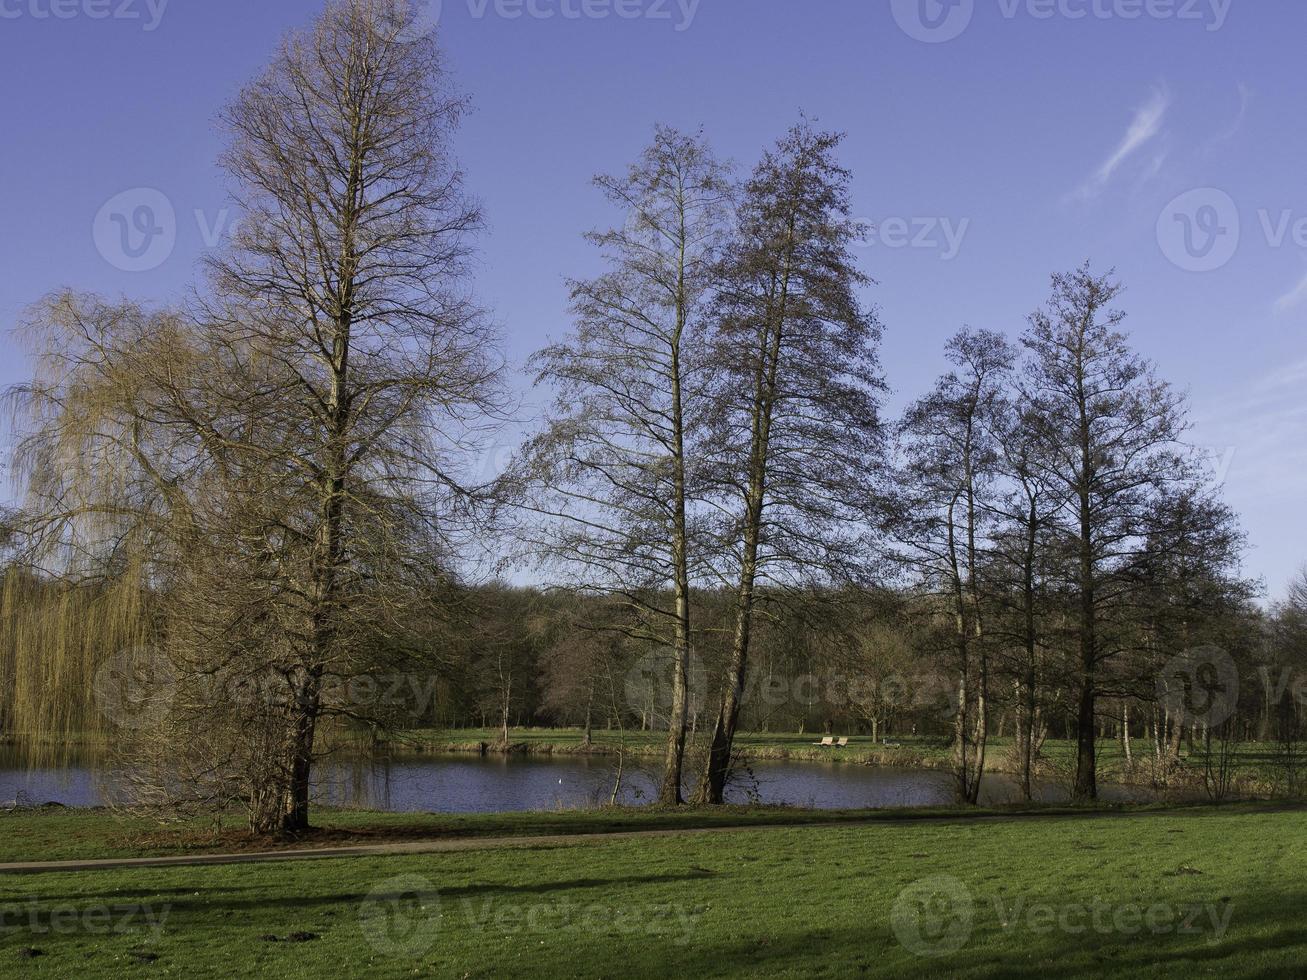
pixel 472 784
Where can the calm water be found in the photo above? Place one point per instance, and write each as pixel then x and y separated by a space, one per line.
pixel 472 784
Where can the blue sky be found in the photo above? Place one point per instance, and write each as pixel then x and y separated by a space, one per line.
pixel 992 141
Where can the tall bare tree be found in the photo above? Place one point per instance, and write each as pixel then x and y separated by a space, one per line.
pixel 796 435
pixel 615 459
pixel 1021 566
pixel 953 455
pixel 1109 445
pixel 285 463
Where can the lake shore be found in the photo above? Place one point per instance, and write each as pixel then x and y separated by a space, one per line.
pixel 1185 775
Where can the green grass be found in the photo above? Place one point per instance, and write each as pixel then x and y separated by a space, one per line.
pixel 71 835
pixel 791 901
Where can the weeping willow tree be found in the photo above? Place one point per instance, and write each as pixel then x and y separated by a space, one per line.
pixel 75 595
pixel 57 644
pixel 280 472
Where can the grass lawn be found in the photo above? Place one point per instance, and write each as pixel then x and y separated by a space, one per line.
pixel 72 835
pixel 1193 892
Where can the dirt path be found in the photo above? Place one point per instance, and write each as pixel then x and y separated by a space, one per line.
pixel 405 847
pixel 546 840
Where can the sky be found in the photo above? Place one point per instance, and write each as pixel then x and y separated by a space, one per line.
pixel 993 142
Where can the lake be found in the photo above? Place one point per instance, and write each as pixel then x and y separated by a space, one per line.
pixel 475 784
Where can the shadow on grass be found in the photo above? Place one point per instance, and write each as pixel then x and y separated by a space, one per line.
pixel 1264 941
pixel 199 907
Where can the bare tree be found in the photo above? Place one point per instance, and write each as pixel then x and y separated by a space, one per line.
pixel 1185 598
pixel 1021 562
pixel 285 465
pixel 796 435
pixel 1108 445
pixel 952 466
pixel 615 458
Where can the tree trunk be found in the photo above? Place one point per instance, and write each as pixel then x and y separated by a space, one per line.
pixel 713 785
pixel 1125 734
pixel 712 788
pixel 296 819
pixel 588 739
pixel 1086 786
pixel 505 710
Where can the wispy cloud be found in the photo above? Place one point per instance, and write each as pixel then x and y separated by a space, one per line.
pixel 1293 297
pixel 1154 167
pixel 1232 130
pixel 1285 377
pixel 1265 422
pixel 1144 127
pixel 1258 429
